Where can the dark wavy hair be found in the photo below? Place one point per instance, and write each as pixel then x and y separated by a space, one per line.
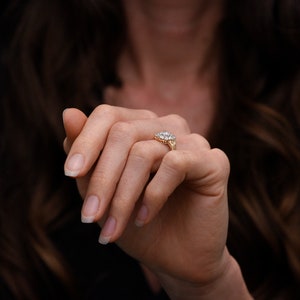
pixel 58 54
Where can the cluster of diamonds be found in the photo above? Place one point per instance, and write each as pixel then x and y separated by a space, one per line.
pixel 165 136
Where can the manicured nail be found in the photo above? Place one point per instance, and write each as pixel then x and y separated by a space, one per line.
pixel 74 165
pixel 141 216
pixel 89 209
pixel 107 230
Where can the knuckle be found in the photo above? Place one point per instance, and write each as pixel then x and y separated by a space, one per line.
pixel 139 151
pixel 180 121
pixel 122 127
pixel 221 162
pixel 120 130
pixel 148 114
pixel 203 142
pixel 174 161
pixel 103 109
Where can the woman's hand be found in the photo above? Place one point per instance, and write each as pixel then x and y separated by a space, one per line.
pixel 168 209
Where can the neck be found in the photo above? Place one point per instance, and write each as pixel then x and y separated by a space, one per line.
pixel 170 39
pixel 170 61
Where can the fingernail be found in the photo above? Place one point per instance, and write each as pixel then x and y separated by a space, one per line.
pixel 141 216
pixel 89 209
pixel 107 230
pixel 74 165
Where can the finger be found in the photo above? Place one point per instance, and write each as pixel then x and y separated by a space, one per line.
pixel 141 161
pixel 87 146
pixel 110 167
pixel 205 170
pixel 121 137
pixel 73 120
pixel 66 145
pixel 168 177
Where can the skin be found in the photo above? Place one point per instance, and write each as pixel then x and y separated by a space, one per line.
pixel 168 209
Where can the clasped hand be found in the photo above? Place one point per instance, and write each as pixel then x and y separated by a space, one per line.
pixel 168 209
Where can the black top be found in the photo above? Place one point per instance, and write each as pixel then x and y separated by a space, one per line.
pixel 103 272
pixel 99 272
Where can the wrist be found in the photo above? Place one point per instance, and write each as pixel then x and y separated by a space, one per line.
pixel 228 285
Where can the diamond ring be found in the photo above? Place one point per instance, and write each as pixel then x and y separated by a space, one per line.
pixel 166 138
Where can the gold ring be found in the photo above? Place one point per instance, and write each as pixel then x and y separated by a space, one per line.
pixel 166 138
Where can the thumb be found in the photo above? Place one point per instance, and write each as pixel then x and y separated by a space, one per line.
pixel 73 120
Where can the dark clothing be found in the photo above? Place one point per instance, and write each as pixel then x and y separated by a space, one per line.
pixel 99 272
pixel 103 272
